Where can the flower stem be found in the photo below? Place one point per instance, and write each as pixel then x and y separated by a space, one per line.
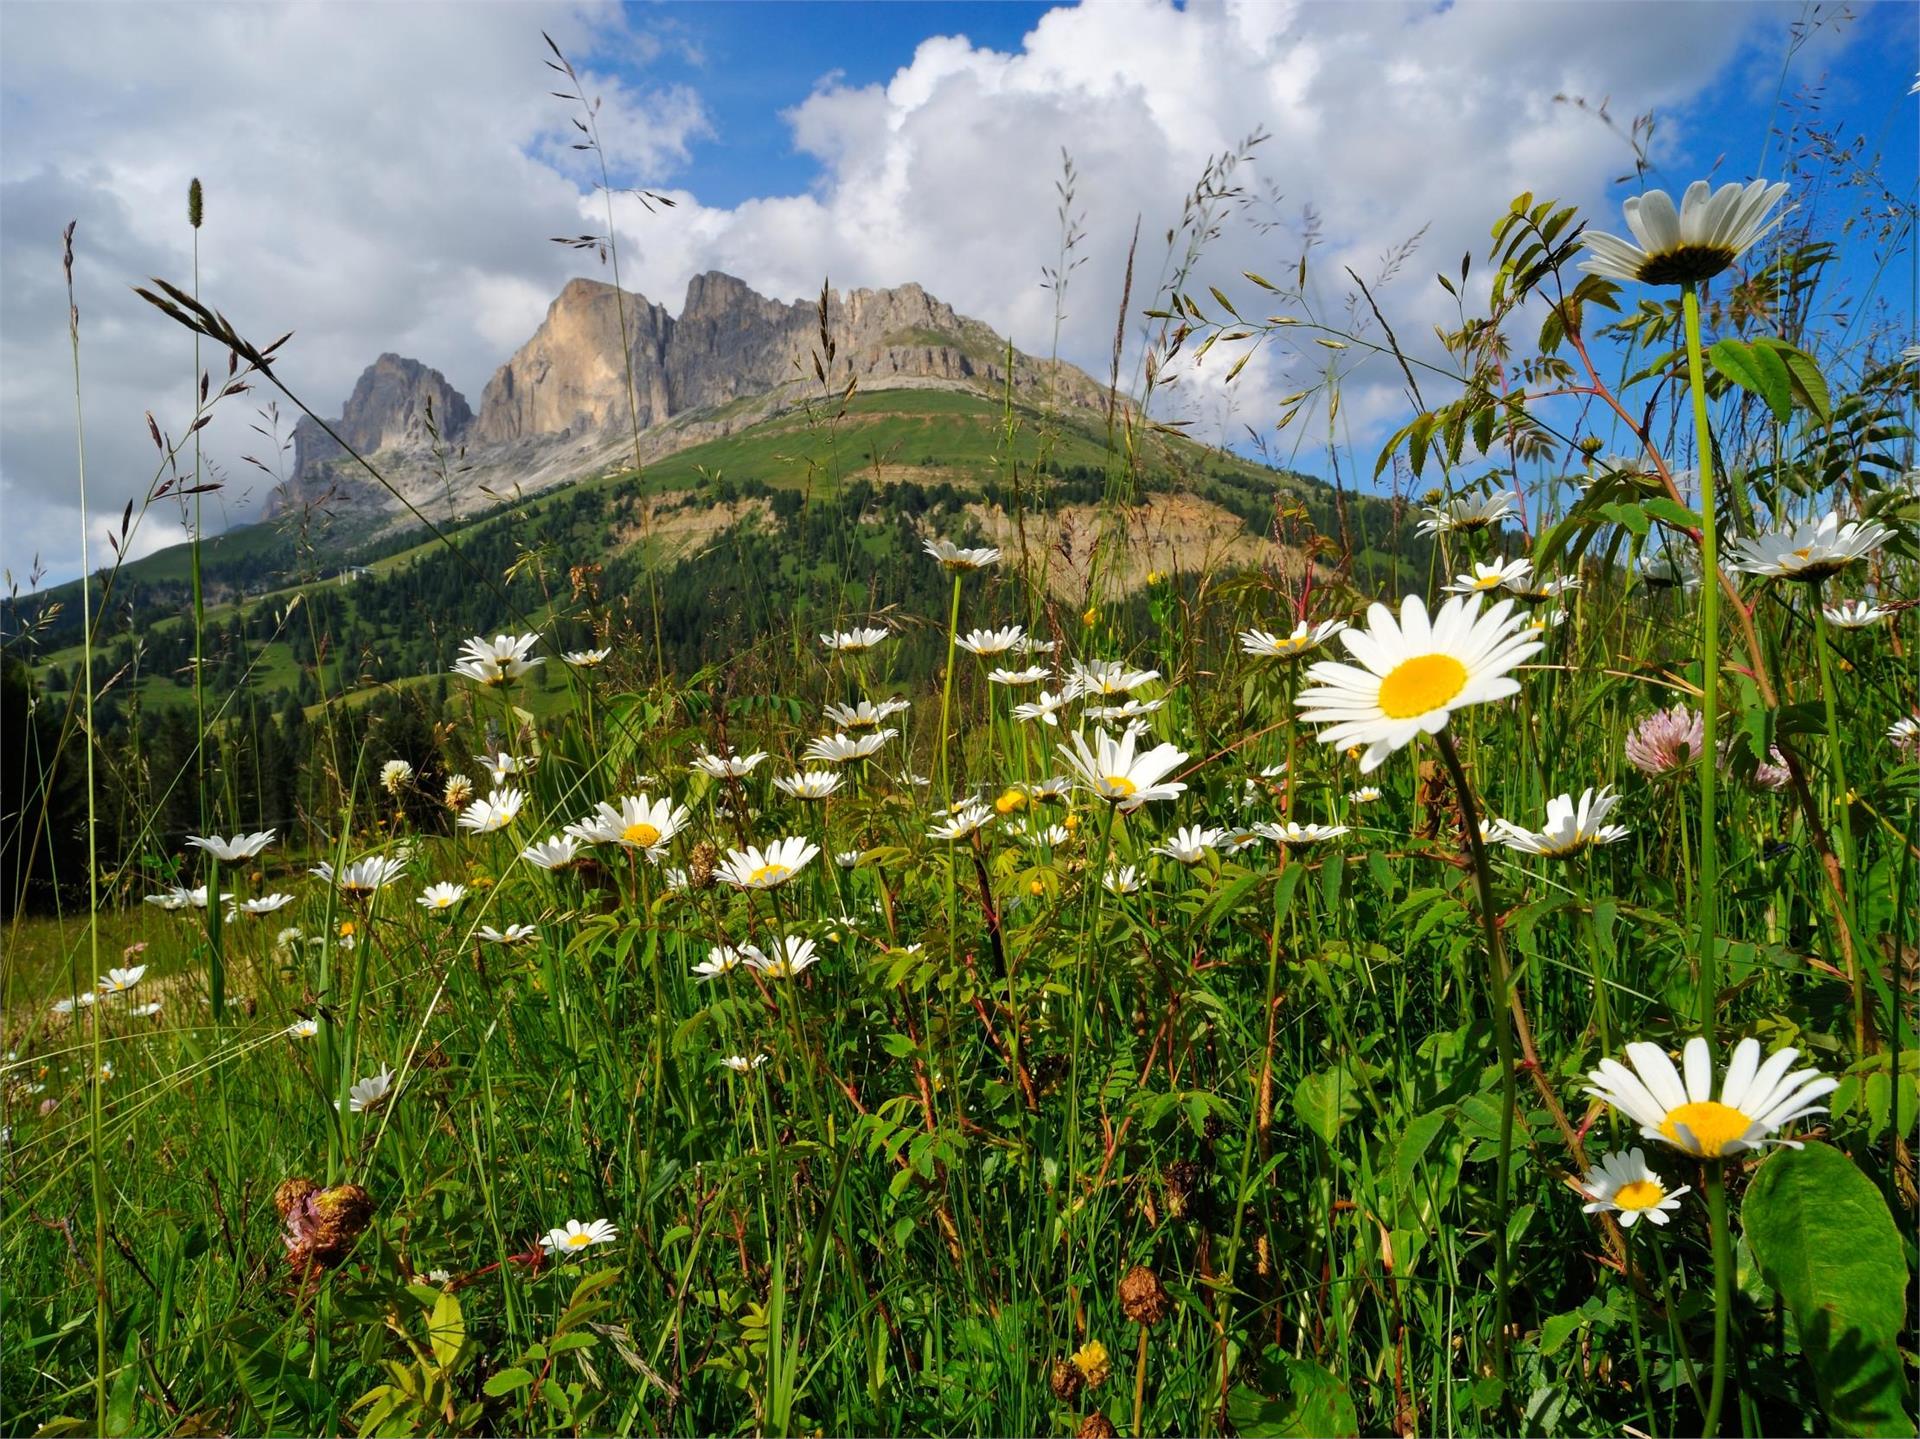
pixel 1722 1293
pixel 1843 823
pixel 1498 992
pixel 946 689
pixel 1707 893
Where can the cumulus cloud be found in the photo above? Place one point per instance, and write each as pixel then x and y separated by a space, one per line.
pixel 388 183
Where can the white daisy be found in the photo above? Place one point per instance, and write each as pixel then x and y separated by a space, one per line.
pixel 1710 230
pixel 754 868
pixel 440 898
pixel 364 876
pixel 854 641
pixel 1031 675
pixel 495 812
pixel 265 904
pixel 1905 733
pixel 573 1236
pixel 1755 1098
pixel 176 898
pixel 1622 1184
pixel 232 851
pixel 1105 678
pixel 1571 827
pixel 1054 789
pixel 144 1011
pixel 956 560
pixel 790 956
pixel 847 858
pixel 500 765
pixel 556 851
pixel 723 958
pixel 1854 614
pixel 1366 794
pixel 1303 641
pixel 1468 513
pixel 395 775
pixel 866 714
pixel 1045 708
pixel 962 821
pixel 496 662
pixel 1414 673
pixel 1131 710
pixel 368 1092
pixel 840 748
pixel 303 1029
pixel 1493 576
pixel 119 981
pixel 1112 769
pixel 1296 835
pixel 1812 550
pixel 740 1064
pixel 586 659
pixel 1052 836
pixel 1124 879
pixel 809 784
pixel 1190 844
pixel 637 822
pixel 728 766
pixel 512 934
pixel 992 642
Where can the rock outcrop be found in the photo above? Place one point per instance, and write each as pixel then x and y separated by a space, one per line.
pixel 562 401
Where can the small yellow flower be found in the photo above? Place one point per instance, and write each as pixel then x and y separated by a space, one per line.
pixel 1092 1362
pixel 1091 616
pixel 346 929
pixel 1010 800
pixel 1154 577
pixel 1072 821
pixel 1036 888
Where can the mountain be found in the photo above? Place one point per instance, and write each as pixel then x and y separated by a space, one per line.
pixel 559 407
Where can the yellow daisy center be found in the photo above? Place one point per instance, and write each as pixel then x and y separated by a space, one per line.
pixel 1712 1124
pixel 1486 582
pixel 579 1241
pixel 770 874
pixel 1640 1194
pixel 1119 786
pixel 641 834
pixel 1421 684
pixel 441 901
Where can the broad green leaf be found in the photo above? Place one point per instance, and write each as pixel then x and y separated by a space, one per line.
pixel 1758 371
pixel 1295 1397
pixel 1809 385
pixel 448 1330
pixel 1325 1100
pixel 1823 1237
pixel 506 1381
pixel 1662 508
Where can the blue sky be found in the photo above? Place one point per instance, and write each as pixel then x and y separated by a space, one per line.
pixel 386 177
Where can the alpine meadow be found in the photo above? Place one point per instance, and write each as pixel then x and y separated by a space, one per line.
pixel 812 864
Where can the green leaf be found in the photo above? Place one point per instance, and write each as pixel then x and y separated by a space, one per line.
pixel 1326 1100
pixel 447 1329
pixel 1662 508
pixel 1823 1237
pixel 505 1382
pixel 1757 370
pixel 1299 1398
pixel 1809 385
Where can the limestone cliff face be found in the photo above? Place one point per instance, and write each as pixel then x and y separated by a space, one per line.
pixel 396 402
pixel 571 377
pixel 560 403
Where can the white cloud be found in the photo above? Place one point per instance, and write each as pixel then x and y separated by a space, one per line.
pixel 388 180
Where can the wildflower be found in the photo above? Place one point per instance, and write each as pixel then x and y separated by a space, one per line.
pixel 586 659
pixel 810 784
pixel 1054 789
pixel 1366 794
pixel 1755 1098
pixel 232 851
pixel 105 1072
pixel 847 858
pixel 740 1064
pixel 1711 229
pixel 1810 551
pixel 866 714
pixel 288 936
pixel 1494 576
pixel 574 1235
pixel 144 1011
pixel 1415 673
pixel 838 748
pixel 265 904
pixel 1011 800
pixel 1092 1362
pixel 1131 710
pixel 1570 827
pixel 1143 1298
pixel 1031 675
pixel 119 981
pixel 1468 513
pixel 1106 678
pixel 723 958
pixel 1032 646
pixel 498 662
pixel 1299 836
pixel 175 898
pixel 1671 569
pixel 1052 836
pixel 395 775
pixel 962 821
pixel 500 765
pixel 956 560
pixel 1666 740
pixel 729 765
pixel 753 868
pixel 1046 708
pixel 1114 772
pixel 555 852
pixel 1124 879
pixel 992 642
pixel 512 934
pixel 440 898
pixel 1190 845
pixel 303 1029
pixel 790 957
pixel 79 1001
pixel 495 812
pixel 1303 641
pixel 1905 733
pixel 637 822
pixel 853 642
pixel 368 1092
pixel 1536 591
pixel 458 791
pixel 1622 1184
pixel 1854 614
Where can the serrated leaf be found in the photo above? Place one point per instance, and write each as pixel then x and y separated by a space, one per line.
pixel 505 1382
pixel 1757 370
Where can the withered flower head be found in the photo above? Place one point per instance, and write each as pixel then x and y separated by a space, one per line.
pixel 1066 1381
pixel 1144 1297
pixel 321 1224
